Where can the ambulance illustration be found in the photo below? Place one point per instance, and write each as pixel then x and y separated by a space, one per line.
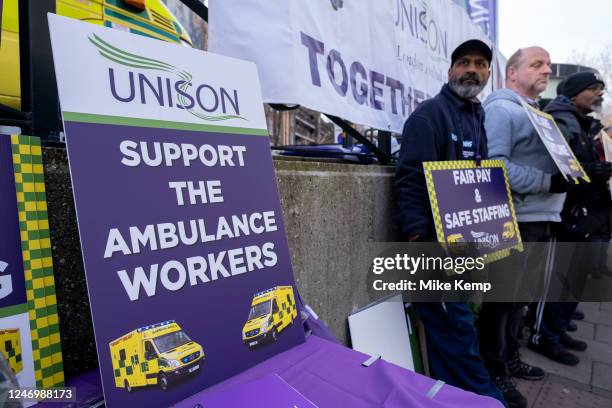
pixel 10 346
pixel 272 310
pixel 154 355
pixel 455 238
pixel 573 165
pixel 508 230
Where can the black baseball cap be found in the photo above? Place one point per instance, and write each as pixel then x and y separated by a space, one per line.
pixel 473 46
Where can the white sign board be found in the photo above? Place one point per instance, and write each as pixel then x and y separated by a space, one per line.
pixel 382 330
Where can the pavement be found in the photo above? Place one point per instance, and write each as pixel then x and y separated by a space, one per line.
pixel 587 385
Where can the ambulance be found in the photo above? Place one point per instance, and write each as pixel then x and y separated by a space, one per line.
pixel 10 346
pixel 154 355
pixel 508 230
pixel 272 310
pixel 150 18
pixel 455 238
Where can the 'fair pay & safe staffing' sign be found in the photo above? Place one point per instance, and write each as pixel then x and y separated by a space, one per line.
pixel 472 207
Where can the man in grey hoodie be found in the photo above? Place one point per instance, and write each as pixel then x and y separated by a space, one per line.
pixel 538 195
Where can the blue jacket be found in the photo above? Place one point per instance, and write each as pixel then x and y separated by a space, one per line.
pixel 446 127
pixel 513 139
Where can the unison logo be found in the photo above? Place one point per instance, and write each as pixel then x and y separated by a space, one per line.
pixel 177 91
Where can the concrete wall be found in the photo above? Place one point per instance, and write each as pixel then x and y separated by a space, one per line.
pixel 332 211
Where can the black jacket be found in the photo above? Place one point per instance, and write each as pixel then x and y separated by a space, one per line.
pixel 586 207
pixel 445 127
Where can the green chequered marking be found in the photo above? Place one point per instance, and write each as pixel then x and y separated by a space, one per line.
pixel 46 352
pixel 160 124
pixel 429 167
pixel 48 372
pixel 42 313
pixel 22 155
pixel 55 329
pixel 44 254
pixel 29 180
pixel 56 348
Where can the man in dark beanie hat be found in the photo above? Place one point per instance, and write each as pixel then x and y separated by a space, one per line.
pixel 576 83
pixel 450 126
pixel 585 216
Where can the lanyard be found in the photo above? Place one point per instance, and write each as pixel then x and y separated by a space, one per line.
pixel 476 136
pixel 477 128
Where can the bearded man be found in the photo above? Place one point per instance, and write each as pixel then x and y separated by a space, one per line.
pixel 585 216
pixel 450 126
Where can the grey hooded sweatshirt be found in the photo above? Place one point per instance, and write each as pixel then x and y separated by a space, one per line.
pixel 512 138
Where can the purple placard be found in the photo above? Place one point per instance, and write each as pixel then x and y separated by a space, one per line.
pixel 211 306
pixel 12 279
pixel 472 204
pixel 270 391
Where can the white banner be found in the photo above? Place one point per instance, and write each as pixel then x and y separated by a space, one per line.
pixel 368 62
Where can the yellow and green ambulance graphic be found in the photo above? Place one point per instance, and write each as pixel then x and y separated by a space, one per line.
pixel 271 312
pixel 10 346
pixel 508 230
pixel 154 355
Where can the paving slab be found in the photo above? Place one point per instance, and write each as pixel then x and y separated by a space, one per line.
pixel 598 317
pixel 585 330
pixel 601 392
pixel 606 307
pixel 603 334
pixel 580 373
pixel 589 307
pixel 530 390
pixel 561 396
pixel 596 351
pixel 602 376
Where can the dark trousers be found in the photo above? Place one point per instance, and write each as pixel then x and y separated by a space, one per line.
pixel 452 347
pixel 499 323
pixel 553 322
pixel 498 328
pixel 549 320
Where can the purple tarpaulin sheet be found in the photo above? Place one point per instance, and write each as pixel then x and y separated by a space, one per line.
pixel 331 375
pixel 270 391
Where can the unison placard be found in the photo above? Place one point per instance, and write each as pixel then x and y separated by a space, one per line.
pixel 555 143
pixel 181 228
pixel 472 204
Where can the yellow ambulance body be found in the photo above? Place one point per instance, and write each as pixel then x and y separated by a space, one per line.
pixel 146 17
pixel 271 311
pixel 455 238
pixel 154 355
pixel 10 346
pixel 508 230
